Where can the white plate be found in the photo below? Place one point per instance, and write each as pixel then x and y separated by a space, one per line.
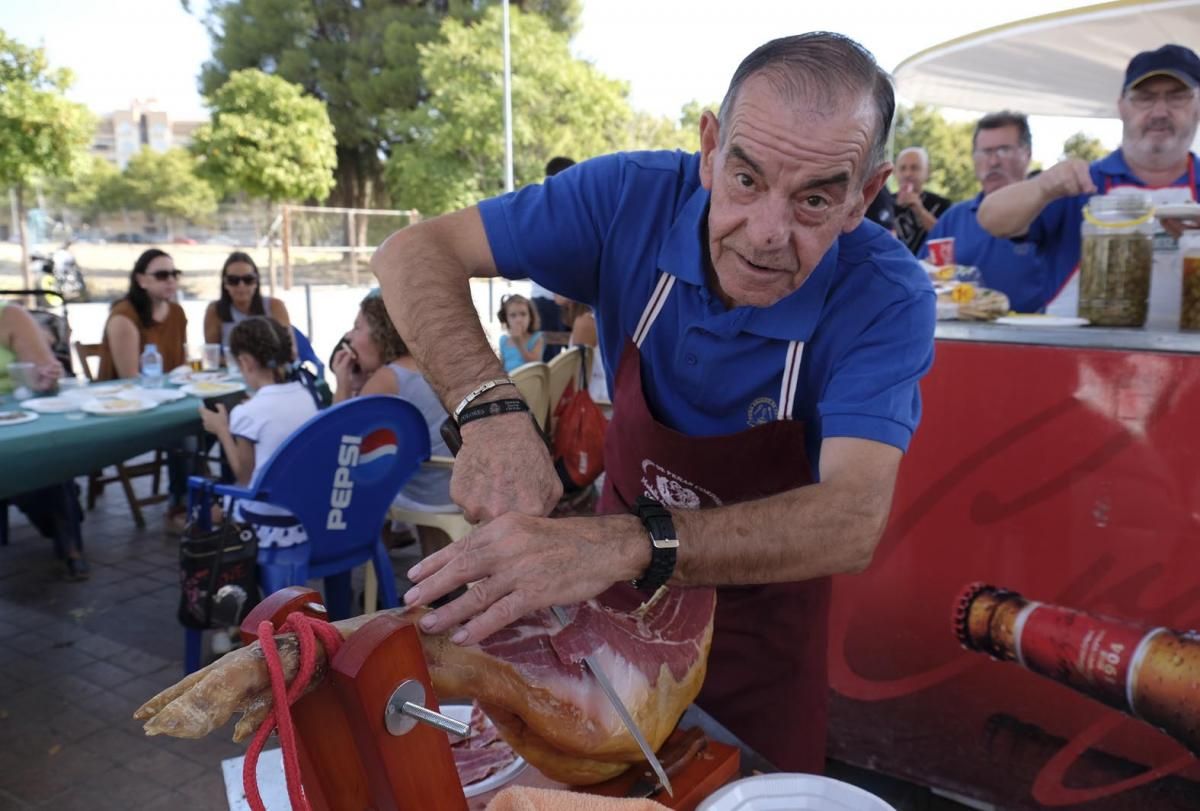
pixel 101 390
pixel 792 792
pixel 52 405
pixel 7 418
pixel 1035 320
pixel 462 712
pixel 1180 211
pixel 212 389
pixel 117 406
pixel 188 376
pixel 157 395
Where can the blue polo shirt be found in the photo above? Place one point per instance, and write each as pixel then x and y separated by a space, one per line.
pixel 601 232
pixel 1016 269
pixel 1056 230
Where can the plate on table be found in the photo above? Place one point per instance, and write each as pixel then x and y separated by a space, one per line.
pixel 212 388
pixel 1178 211
pixel 1038 320
pixel 93 392
pixel 482 727
pixel 184 374
pixel 52 405
pixel 16 417
pixel 117 406
pixel 157 395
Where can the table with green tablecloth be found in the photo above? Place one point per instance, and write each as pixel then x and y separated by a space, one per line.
pixel 58 447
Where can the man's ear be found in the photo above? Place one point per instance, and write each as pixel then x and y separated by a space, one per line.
pixel 710 140
pixel 870 188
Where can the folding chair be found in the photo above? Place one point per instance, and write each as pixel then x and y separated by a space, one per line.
pixel 533 381
pixel 337 474
pixel 305 352
pixel 125 473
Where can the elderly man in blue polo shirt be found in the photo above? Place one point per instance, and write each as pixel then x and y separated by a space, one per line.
pixel 1160 111
pixel 1001 148
pixel 763 346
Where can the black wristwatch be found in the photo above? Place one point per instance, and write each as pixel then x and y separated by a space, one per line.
pixel 663 543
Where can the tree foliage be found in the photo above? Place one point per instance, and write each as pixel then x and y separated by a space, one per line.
pixel 166 184
pixel 1082 145
pixel 89 191
pixel 267 139
pixel 951 169
pixel 358 56
pixel 454 154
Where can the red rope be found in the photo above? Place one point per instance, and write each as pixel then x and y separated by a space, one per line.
pixel 307 629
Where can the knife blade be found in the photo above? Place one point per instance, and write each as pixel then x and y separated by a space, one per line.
pixel 679 750
pixel 622 712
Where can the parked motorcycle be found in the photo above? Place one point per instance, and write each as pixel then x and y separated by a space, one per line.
pixel 60 274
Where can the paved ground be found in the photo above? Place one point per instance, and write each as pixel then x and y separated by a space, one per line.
pixel 76 659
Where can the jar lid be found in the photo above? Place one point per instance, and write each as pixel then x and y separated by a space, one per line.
pixel 1124 201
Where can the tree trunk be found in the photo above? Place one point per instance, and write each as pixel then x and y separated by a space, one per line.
pixel 23 231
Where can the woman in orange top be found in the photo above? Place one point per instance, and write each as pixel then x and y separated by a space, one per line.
pixel 147 315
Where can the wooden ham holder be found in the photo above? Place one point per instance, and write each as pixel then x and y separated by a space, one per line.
pixel 349 761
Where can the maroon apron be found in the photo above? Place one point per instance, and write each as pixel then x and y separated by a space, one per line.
pixel 767 680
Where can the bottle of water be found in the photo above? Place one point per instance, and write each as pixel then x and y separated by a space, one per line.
pixel 152 367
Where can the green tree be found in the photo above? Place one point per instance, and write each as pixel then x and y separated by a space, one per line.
pixel 951 169
pixel 358 56
pixel 267 139
pixel 42 134
pixel 1082 145
pixel 165 184
pixel 561 106
pixel 88 191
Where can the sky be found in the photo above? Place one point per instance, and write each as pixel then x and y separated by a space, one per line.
pixel 669 51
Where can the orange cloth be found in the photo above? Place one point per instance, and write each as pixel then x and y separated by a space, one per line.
pixel 169 335
pixel 523 798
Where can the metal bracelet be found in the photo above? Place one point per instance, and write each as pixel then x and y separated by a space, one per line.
pixel 480 389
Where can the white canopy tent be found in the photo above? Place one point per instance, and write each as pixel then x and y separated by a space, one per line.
pixel 1070 63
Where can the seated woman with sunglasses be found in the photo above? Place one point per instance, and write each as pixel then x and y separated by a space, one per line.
pixel 241 298
pixel 148 314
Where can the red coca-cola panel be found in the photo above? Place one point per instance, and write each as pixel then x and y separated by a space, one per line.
pixel 1073 477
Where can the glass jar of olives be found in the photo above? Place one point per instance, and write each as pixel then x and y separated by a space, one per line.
pixel 1115 261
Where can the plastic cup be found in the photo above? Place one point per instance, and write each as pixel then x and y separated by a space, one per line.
pixel 24 377
pixel 212 357
pixel 941 251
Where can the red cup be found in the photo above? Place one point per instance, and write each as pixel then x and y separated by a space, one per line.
pixel 941 251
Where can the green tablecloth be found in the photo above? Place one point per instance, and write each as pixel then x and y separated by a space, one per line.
pixel 55 447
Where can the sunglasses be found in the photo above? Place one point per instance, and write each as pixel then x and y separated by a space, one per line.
pixel 163 275
pixel 248 279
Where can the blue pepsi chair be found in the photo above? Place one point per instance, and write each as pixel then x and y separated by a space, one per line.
pixel 338 474
pixel 305 353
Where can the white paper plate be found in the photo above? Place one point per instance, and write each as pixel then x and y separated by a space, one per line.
pixel 212 388
pixel 188 376
pixel 1181 211
pixel 1036 320
pixel 100 390
pixel 16 417
pixel 117 406
pixel 792 792
pixel 462 712
pixel 157 395
pixel 52 405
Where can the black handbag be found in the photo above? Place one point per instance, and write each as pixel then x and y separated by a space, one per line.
pixel 217 575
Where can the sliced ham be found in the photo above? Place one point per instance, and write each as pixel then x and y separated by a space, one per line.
pixel 529 679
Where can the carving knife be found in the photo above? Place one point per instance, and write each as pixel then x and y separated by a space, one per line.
pixel 681 749
pixel 622 712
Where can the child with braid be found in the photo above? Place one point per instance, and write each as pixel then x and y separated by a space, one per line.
pixel 251 433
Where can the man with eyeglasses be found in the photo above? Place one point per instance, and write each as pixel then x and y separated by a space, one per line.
pixel 1160 110
pixel 1001 148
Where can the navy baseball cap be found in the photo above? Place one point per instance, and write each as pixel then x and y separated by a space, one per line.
pixel 1175 61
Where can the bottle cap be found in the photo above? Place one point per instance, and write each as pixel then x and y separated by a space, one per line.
pixel 962 609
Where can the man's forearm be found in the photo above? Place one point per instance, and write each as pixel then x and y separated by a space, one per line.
pixel 797 535
pixel 1007 212
pixel 427 288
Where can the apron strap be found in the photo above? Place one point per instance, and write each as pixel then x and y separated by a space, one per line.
pixel 791 379
pixel 653 307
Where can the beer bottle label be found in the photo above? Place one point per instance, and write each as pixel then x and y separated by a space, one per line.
pixel 1092 654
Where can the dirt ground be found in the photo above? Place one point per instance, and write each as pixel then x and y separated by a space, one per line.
pixel 106 267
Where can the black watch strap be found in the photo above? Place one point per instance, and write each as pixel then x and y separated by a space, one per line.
pixel 493 408
pixel 663 543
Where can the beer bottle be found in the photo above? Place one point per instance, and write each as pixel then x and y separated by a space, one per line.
pixel 1151 673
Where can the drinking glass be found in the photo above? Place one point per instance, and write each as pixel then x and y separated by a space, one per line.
pixel 24 377
pixel 212 357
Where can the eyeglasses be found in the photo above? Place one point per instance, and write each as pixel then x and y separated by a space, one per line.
pixel 1176 99
pixel 248 279
pixel 1003 152
pixel 163 275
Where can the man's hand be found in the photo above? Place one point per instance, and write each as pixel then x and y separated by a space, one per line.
pixel 1066 179
pixel 503 467
pixel 519 563
pixel 1175 227
pixel 47 374
pixel 907 198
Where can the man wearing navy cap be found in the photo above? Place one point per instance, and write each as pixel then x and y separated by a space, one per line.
pixel 1160 111
pixel 763 346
